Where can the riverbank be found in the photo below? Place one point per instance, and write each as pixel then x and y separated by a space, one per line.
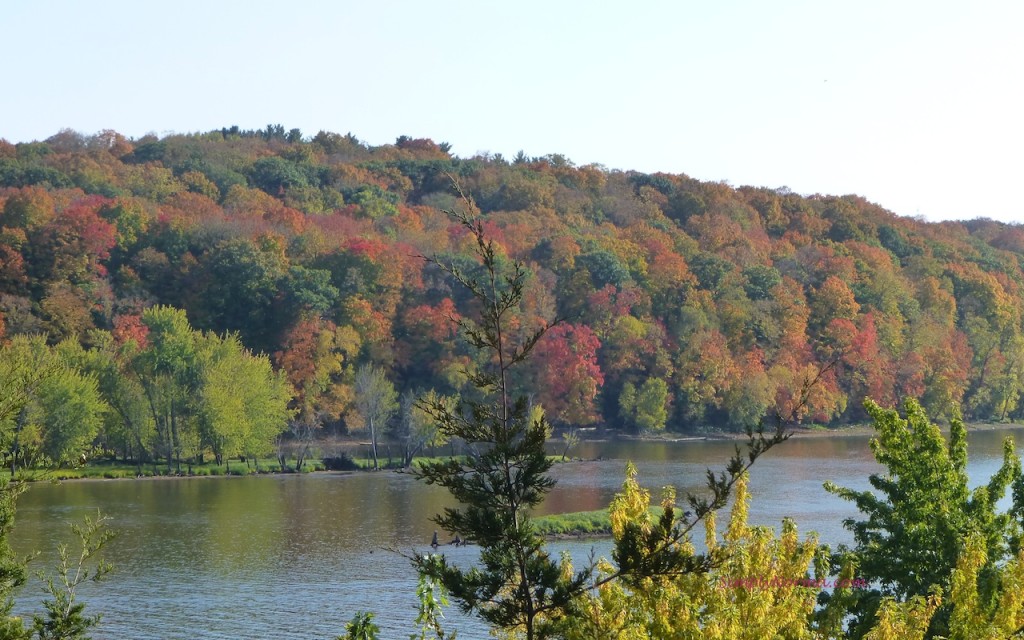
pixel 801 431
pixel 113 470
pixel 117 470
pixel 581 524
pixel 348 455
pixel 854 430
pixel 863 430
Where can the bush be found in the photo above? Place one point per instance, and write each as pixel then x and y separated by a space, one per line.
pixel 340 462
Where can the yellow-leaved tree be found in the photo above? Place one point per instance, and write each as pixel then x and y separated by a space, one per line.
pixel 758 585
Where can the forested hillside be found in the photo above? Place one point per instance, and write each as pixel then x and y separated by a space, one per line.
pixel 687 305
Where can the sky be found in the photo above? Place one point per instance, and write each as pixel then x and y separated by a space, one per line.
pixel 916 106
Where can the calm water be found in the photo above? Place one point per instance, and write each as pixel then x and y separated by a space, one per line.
pixel 294 557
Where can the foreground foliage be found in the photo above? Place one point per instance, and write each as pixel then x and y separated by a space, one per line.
pixel 931 560
pixel 726 602
pixel 922 519
pixel 63 616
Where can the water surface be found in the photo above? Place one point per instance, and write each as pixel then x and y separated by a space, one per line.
pixel 293 557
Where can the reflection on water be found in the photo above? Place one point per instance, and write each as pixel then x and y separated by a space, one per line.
pixel 295 557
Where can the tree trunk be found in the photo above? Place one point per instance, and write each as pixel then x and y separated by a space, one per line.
pixel 373 444
pixel 15 448
pixel 175 441
pixel 168 443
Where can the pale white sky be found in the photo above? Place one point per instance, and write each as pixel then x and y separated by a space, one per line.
pixel 915 105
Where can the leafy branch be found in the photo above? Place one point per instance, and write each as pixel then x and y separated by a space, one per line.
pixel 64 618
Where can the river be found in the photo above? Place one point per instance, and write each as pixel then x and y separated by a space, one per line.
pixel 293 557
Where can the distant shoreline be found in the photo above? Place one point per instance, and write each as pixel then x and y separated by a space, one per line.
pixel 853 431
pixel 857 430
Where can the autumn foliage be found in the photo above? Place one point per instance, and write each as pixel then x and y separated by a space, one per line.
pixel 310 249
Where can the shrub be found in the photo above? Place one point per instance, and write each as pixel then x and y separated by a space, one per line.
pixel 340 462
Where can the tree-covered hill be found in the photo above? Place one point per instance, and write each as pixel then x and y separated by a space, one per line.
pixel 686 304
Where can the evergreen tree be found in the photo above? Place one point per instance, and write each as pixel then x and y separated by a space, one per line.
pixel 517 586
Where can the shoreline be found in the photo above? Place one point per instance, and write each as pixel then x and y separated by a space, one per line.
pixel 195 476
pixel 858 431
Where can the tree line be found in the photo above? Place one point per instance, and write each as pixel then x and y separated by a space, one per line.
pixel 687 305
pixel 157 390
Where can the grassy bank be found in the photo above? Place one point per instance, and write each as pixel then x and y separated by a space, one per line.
pixel 105 469
pixel 580 523
pixel 108 469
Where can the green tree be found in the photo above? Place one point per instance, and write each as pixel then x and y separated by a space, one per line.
pixel 25 365
pixel 917 524
pixel 432 600
pixel 645 408
pixel 243 289
pixel 604 268
pixel 376 401
pixel 69 411
pixel 128 424
pixel 30 370
pixel 167 370
pixel 59 408
pixel 22 370
pixel 274 175
pixel 243 402
pixel 760 280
